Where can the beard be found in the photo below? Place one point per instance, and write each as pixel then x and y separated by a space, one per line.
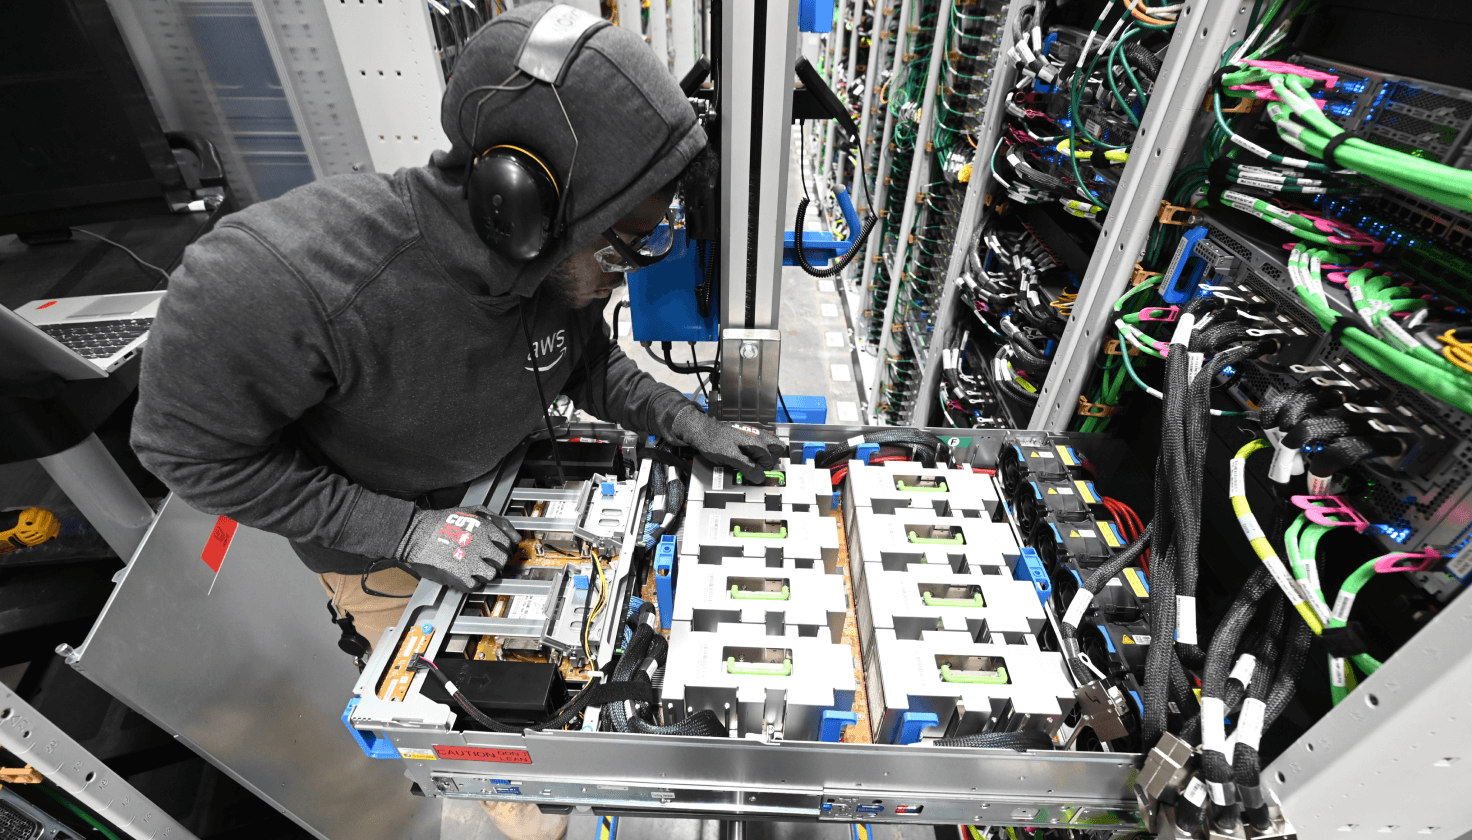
pixel 562 286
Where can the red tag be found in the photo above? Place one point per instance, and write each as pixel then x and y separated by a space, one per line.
pixel 48 303
pixel 483 754
pixel 219 543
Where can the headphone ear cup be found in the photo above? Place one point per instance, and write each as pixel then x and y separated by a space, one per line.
pixel 513 202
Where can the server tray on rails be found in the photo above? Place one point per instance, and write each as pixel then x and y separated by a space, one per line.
pixel 747 777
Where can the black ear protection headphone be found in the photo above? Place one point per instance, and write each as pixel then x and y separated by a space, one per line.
pixel 516 203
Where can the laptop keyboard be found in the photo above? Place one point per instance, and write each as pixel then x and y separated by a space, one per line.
pixel 98 340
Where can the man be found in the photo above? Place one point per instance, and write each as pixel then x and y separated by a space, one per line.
pixel 336 364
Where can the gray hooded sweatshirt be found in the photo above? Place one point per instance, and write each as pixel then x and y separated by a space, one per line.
pixel 325 357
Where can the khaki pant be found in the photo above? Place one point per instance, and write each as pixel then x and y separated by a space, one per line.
pixel 372 614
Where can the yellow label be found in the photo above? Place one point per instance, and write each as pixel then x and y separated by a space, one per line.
pixel 1126 640
pixel 1073 533
pixel 1066 456
pixel 1083 490
pixel 1136 582
pixel 418 755
pixel 1108 532
pixel 1197 692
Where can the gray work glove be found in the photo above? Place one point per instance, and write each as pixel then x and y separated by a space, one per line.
pixel 743 448
pixel 461 548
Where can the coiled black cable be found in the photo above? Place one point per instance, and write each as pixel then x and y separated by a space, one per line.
pixel 842 262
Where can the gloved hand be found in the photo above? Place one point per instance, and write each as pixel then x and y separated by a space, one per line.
pixel 744 448
pixel 461 548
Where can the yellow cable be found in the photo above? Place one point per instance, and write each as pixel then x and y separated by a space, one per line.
pixel 1116 155
pixel 1260 544
pixel 1456 351
pixel 597 608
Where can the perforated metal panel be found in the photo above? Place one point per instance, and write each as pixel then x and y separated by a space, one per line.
pixel 387 51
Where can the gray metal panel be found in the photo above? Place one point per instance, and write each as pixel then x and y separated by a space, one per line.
pixel 393 74
pixel 971 215
pixel 1395 757
pixel 1163 134
pixel 918 178
pixel 243 667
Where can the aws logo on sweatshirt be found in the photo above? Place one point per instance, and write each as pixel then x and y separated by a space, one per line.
pixel 545 348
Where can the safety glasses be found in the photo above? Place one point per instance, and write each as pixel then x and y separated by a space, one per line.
pixel 620 256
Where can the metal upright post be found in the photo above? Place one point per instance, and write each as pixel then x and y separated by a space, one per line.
pixel 1200 37
pixel 80 775
pixel 881 169
pixel 659 20
pixel 919 169
pixel 823 172
pixel 758 51
pixel 1003 74
pixel 683 35
pixel 856 188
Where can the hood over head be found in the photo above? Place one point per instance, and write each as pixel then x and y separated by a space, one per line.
pixel 636 132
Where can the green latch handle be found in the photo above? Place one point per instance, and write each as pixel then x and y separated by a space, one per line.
pixel 958 539
pixel 762 669
pixel 973 601
pixel 777 474
pixel 981 677
pixel 781 535
pixel 760 596
pixel 903 487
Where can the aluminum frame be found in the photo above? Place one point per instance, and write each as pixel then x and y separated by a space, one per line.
pixel 32 738
pixel 1205 30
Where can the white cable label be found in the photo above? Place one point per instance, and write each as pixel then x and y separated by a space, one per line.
pixel 1343 604
pixel 1336 672
pixel 1242 671
pixel 1195 792
pixel 1250 528
pixel 855 440
pixel 1394 329
pixel 1218 792
pixel 1213 727
pixel 1237 481
pixel 450 688
pixel 718 478
pixel 1319 486
pixel 1186 619
pixel 1250 722
pixel 1194 362
pixel 1251 146
pixel 1182 335
pixel 1285 583
pixel 1076 607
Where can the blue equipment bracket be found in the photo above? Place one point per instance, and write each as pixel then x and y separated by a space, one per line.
pixel 1028 566
pixel 664 578
pixel 819 246
pixel 865 451
pixel 913 723
pixel 831 729
pixel 662 305
pixel 814 16
pixel 373 744
pixel 810 449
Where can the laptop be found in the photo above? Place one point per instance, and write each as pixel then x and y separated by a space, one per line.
pixel 84 337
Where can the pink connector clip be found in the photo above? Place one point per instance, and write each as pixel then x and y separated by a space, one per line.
pixel 1331 511
pixel 1160 313
pixel 1267 94
pixel 1329 79
pixel 1389 561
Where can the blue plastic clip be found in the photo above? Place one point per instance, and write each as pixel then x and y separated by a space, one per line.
pixel 1026 565
pixel 866 451
pixel 831 729
pixel 664 578
pixel 810 449
pixel 608 488
pixel 1172 289
pixel 913 723
pixel 373 744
